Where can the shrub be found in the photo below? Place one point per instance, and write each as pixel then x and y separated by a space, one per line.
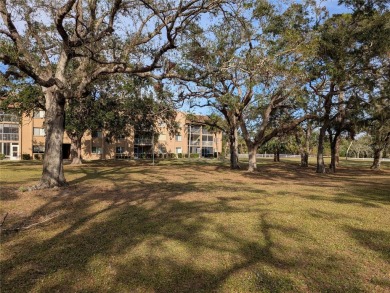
pixel 194 156
pixel 180 156
pixel 2 156
pixel 38 156
pixel 26 157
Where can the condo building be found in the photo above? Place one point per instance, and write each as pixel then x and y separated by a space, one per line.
pixel 26 136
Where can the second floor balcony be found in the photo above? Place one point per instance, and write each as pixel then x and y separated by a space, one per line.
pixel 9 118
pixel 142 141
pixel 9 136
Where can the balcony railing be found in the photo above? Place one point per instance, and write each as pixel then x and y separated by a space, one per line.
pixel 9 136
pixel 143 141
pixel 207 143
pixel 204 143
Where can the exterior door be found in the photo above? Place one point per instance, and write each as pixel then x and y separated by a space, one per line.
pixel 14 152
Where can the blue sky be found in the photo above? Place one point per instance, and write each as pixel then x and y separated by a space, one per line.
pixel 333 7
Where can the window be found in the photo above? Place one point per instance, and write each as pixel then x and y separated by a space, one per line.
pixel 9 132
pixel 162 137
pixel 179 150
pixel 120 150
pixel 96 150
pixel 38 149
pixel 39 131
pixel 96 134
pixel 178 137
pixel 5 148
pixel 39 114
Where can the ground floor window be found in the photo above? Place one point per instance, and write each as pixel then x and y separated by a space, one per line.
pixel 120 150
pixel 207 152
pixel 5 148
pixel 9 150
pixel 179 150
pixel 143 151
pixel 38 149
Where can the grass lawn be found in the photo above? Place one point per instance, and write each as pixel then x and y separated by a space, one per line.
pixel 196 226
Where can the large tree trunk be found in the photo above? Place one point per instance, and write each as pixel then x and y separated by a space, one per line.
pixel 378 153
pixel 75 150
pixel 53 171
pixel 304 159
pixel 252 151
pixel 233 149
pixel 320 152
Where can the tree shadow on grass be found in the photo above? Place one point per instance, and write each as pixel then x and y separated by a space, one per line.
pixel 157 243
pixel 140 236
pixel 375 240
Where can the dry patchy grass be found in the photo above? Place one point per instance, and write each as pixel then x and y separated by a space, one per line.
pixel 189 226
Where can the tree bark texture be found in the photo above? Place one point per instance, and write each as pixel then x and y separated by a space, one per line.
pixel 320 152
pixel 252 164
pixel 233 149
pixel 304 159
pixel 277 154
pixel 75 150
pixel 334 151
pixel 378 153
pixel 53 171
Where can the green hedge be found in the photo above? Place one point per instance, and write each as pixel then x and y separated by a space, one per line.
pixel 2 156
pixel 26 157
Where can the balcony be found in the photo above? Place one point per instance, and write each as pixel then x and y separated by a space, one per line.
pixel 9 118
pixel 207 143
pixel 143 141
pixel 9 136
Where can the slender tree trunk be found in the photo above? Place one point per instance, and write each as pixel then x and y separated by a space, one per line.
pixel 378 153
pixel 252 151
pixel 332 165
pixel 277 154
pixel 346 154
pixel 304 149
pixel 320 152
pixel 334 148
pixel 233 148
pixel 305 162
pixel 75 150
pixel 53 171
pixel 337 149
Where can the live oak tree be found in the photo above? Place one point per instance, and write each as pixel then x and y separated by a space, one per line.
pixel 252 75
pixel 64 46
pixel 278 94
pixel 207 70
pixel 350 54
